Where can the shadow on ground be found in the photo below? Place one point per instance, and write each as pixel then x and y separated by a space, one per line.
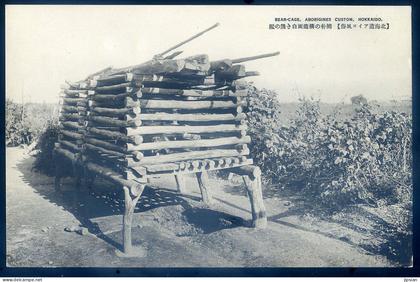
pixel 396 246
pixel 106 199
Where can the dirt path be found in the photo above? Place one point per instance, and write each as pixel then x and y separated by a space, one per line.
pixel 176 230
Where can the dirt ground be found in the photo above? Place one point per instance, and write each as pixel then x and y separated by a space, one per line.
pixel 176 230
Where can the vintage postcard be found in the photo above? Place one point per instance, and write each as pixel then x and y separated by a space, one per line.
pixel 208 136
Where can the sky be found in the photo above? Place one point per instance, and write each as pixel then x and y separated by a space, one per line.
pixel 46 45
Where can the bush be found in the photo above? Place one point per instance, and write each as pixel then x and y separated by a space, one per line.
pixel 26 122
pixel 45 147
pixel 333 161
pixel 17 126
pixel 263 120
pixel 364 158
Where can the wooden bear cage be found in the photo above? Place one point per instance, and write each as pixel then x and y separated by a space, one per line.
pixel 164 117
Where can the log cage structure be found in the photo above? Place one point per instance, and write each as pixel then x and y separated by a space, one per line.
pixel 166 116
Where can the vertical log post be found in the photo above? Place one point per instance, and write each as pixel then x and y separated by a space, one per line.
pixel 253 187
pixel 180 183
pixel 203 183
pixel 130 204
pixel 251 176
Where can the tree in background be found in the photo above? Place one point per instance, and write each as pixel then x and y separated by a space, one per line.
pixel 358 100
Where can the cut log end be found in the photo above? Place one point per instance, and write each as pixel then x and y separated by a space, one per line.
pixel 249 170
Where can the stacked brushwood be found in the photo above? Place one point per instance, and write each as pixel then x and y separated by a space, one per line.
pixel 165 116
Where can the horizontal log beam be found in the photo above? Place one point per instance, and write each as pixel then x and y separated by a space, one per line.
pixel 72 124
pixel 191 117
pixel 68 154
pixel 189 143
pixel 103 150
pixel 177 81
pixel 193 155
pixel 73 101
pixel 128 102
pixel 183 129
pixel 188 105
pixel 110 98
pixel 115 177
pixel 70 145
pixel 71 134
pixel 136 139
pixel 69 109
pixel 114 112
pixel 111 80
pixel 194 93
pixel 251 171
pixel 115 122
pixel 104 144
pixel 118 88
pixel 154 171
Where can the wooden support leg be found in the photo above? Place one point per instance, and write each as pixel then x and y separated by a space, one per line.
pixel 203 183
pixel 180 183
pixel 130 204
pixel 253 187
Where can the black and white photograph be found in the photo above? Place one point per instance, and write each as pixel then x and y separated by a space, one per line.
pixel 208 136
